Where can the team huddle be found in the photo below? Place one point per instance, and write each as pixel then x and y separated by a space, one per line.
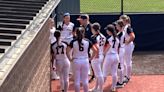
pixel 85 48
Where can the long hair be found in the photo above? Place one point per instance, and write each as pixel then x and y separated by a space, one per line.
pixel 96 26
pixel 57 35
pixel 80 35
pixel 120 23
pixel 112 29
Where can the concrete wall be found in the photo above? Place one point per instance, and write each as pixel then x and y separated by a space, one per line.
pixel 32 71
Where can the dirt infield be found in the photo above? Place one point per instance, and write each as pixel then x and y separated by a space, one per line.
pixel 148 75
pixel 148 63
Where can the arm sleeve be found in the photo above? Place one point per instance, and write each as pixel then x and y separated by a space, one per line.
pixel 129 30
pixel 93 40
pixel 107 40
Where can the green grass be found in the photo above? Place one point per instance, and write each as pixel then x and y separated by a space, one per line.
pixel 96 6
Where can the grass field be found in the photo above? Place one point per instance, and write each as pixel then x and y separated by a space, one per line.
pixel 90 6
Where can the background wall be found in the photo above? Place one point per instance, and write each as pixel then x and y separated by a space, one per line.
pixel 148 28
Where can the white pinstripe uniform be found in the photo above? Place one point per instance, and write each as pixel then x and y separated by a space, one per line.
pixel 99 40
pixel 52 38
pixel 61 62
pixel 121 36
pixel 66 32
pixel 128 50
pixel 80 63
pixel 111 60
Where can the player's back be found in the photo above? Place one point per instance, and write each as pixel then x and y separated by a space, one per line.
pixel 59 50
pixel 114 43
pixel 80 51
pixel 99 40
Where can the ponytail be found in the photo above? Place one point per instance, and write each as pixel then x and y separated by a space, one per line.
pixel 80 35
pixel 57 36
pixel 112 29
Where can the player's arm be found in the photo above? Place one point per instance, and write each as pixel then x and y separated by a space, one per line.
pixel 68 53
pixel 69 47
pixel 106 48
pixel 53 61
pixel 131 34
pixel 95 52
pixel 132 37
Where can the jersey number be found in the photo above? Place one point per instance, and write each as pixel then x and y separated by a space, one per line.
pixel 101 41
pixel 60 47
pixel 114 41
pixel 81 48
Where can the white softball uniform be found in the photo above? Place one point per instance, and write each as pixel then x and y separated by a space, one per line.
pixel 62 63
pixel 52 38
pixel 121 74
pixel 128 50
pixel 80 63
pixel 99 40
pixel 66 33
pixel 111 60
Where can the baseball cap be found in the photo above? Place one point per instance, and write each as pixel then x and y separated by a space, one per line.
pixel 66 14
pixel 82 17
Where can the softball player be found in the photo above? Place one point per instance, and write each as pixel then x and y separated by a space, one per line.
pixel 111 56
pixel 121 36
pixel 67 29
pixel 84 22
pixel 129 45
pixel 98 39
pixel 61 62
pixel 80 48
pixel 52 40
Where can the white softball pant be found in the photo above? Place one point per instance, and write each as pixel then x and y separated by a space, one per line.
pixel 122 64
pixel 111 65
pixel 63 68
pixel 128 58
pixel 80 71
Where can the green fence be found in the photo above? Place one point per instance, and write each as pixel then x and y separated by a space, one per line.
pixel 108 6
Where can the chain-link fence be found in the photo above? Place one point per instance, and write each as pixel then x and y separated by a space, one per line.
pixel 107 6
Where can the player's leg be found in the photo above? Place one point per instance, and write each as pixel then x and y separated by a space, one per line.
pixel 121 66
pixel 92 71
pixel 53 73
pixel 59 67
pixel 84 75
pixel 96 64
pixel 130 60
pixel 76 72
pixel 106 67
pixel 114 67
pixel 66 70
pixel 129 52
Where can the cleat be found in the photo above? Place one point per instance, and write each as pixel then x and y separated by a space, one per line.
pixel 113 90
pixel 126 80
pixel 119 85
pixel 91 79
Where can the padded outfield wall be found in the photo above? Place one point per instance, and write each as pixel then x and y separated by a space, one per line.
pixel 149 28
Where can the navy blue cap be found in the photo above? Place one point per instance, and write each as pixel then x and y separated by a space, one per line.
pixel 82 17
pixel 66 14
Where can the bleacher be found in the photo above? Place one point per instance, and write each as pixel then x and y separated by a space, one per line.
pixel 15 17
pixel 21 21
